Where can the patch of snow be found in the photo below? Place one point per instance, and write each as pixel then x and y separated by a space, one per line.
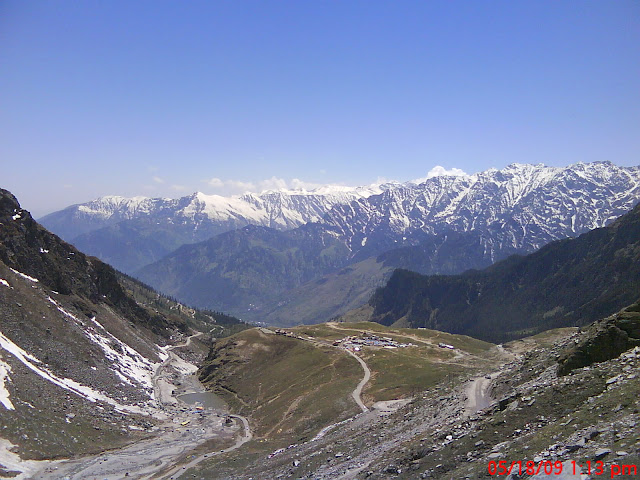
pixel 16 216
pixel 42 250
pixel 183 366
pixel 31 279
pixel 88 393
pixel 364 241
pixel 5 283
pixel 12 461
pixel 65 313
pixel 5 370
pixel 129 365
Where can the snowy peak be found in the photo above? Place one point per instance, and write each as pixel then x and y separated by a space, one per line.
pixel 525 206
pixel 208 214
pixel 113 205
pixel 518 207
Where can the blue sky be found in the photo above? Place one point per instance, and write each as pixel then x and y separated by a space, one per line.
pixel 163 98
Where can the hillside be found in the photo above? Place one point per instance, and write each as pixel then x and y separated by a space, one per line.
pixel 516 402
pixel 568 282
pixel 81 347
pixel 336 293
pixel 242 270
pixel 293 382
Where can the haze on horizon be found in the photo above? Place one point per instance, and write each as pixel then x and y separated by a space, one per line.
pixel 166 98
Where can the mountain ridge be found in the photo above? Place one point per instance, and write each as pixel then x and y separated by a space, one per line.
pixel 566 283
pixel 443 226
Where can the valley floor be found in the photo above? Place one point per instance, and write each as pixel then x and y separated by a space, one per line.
pixel 189 431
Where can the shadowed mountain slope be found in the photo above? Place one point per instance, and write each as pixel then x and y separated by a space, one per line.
pixel 568 282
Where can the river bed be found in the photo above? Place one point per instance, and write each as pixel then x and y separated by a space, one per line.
pixel 204 399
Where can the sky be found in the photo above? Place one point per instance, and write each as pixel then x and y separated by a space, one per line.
pixel 165 98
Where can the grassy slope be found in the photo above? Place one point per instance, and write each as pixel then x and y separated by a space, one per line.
pixel 290 388
pixel 399 373
pixel 286 386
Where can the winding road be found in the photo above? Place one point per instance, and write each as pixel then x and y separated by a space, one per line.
pixel 150 458
pixel 357 393
pixel 177 471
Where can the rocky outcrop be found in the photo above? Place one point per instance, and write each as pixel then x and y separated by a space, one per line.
pixel 29 248
pixel 603 341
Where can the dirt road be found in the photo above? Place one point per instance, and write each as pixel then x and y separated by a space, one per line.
pixel 478 396
pixel 177 471
pixel 187 429
pixel 357 393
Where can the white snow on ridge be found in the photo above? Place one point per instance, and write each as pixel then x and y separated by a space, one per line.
pixel 105 207
pixel 88 393
pixel 31 279
pixel 223 208
pixel 5 283
pixel 130 365
pixel 5 370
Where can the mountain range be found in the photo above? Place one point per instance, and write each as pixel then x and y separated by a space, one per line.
pixel 566 283
pixel 444 225
pixel 129 233
pixel 86 354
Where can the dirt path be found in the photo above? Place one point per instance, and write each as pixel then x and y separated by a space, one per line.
pixel 177 471
pixel 357 393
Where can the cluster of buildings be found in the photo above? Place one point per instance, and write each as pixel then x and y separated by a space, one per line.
pixel 355 343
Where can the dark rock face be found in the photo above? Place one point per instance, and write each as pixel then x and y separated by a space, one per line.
pixel 30 249
pixel 603 341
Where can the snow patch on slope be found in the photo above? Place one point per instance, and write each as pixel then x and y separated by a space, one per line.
pixel 131 366
pixel 5 370
pixel 13 463
pixel 88 393
pixel 31 279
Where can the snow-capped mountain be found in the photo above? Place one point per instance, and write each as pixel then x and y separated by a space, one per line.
pixel 129 233
pixel 283 209
pixel 520 207
pixel 444 225
pixel 516 209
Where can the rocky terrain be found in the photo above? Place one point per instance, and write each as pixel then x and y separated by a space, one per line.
pixel 538 411
pixel 80 349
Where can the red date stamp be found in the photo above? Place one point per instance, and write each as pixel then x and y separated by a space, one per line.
pixel 550 468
